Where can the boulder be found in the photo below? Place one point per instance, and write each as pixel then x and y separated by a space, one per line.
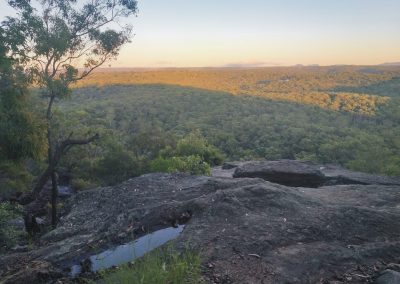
pixel 306 174
pixel 286 172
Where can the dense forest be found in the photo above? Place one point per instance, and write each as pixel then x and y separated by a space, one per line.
pixel 333 87
pixel 165 127
pixel 141 121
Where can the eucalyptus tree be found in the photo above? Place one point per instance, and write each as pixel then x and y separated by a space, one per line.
pixel 20 129
pixel 59 42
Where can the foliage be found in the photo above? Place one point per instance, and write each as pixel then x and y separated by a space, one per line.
pixel 117 165
pixel 327 87
pixel 192 154
pixel 147 140
pixel 148 128
pixel 119 156
pixel 240 127
pixel 14 178
pixel 53 38
pixel 21 131
pixel 8 233
pixel 160 266
pixel 195 144
pixel 388 88
pixel 50 40
pixel 192 164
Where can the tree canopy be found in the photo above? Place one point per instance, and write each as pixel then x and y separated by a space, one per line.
pixel 21 133
pixel 57 43
pixel 53 38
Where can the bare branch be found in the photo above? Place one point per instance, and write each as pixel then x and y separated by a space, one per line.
pixel 87 73
pixel 49 60
pixel 61 149
pixel 67 144
pixel 72 57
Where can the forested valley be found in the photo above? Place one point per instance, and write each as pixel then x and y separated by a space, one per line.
pixel 164 127
pixel 167 127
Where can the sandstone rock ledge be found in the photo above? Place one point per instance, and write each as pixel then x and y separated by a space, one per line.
pixel 249 230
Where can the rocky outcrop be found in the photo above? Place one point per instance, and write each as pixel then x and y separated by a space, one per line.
pixel 290 173
pixel 305 174
pixel 248 230
pixel 389 277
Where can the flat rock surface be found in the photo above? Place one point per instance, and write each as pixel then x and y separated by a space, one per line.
pixel 302 174
pixel 389 277
pixel 248 230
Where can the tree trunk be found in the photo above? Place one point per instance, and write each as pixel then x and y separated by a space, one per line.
pixel 52 163
pixel 61 149
pixel 54 193
pixel 42 180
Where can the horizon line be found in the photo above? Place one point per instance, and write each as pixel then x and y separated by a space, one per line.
pixel 386 64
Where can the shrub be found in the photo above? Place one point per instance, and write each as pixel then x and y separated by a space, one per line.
pixel 14 177
pixel 117 165
pixel 8 233
pixel 195 145
pixel 190 164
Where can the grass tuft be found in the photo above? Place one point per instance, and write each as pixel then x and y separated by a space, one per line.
pixel 162 266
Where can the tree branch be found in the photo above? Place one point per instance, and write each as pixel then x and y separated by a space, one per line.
pixel 86 73
pixel 51 102
pixel 72 142
pixel 72 57
pixel 60 151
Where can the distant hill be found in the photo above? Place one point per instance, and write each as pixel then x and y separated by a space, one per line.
pixel 390 64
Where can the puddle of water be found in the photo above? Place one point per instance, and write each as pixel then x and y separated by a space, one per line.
pixel 130 251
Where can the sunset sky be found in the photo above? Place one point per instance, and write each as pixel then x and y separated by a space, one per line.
pixel 189 33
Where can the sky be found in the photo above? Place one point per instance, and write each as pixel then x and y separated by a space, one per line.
pixel 215 33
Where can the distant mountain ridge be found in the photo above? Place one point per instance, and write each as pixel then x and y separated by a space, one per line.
pixel 265 65
pixel 390 64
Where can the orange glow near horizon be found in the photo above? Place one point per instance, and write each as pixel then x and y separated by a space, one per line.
pixel 254 53
pixel 180 33
pixel 257 33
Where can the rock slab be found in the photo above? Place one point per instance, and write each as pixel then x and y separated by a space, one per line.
pixel 303 174
pixel 248 230
pixel 389 277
